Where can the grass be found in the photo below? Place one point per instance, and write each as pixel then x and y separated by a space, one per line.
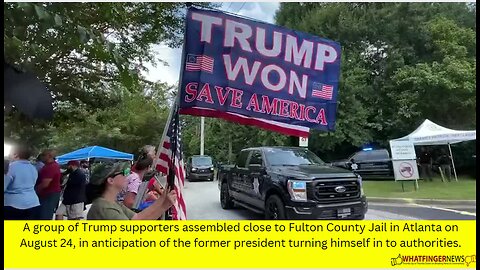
pixel 464 189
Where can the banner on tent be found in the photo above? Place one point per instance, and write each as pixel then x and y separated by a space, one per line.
pixel 257 73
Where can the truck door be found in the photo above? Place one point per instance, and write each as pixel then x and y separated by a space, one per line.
pixel 238 176
pixel 255 179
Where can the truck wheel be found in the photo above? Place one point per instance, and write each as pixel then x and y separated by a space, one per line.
pixel 274 208
pixel 225 200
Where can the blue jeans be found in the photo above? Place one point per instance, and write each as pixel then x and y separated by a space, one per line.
pixel 48 205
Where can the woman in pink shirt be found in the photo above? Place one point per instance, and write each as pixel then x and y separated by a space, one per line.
pixel 129 194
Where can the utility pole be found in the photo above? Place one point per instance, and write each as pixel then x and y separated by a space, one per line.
pixel 202 135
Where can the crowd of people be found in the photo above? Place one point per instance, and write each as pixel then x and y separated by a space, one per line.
pixel 35 190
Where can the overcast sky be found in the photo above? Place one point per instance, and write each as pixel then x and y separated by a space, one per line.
pixel 263 11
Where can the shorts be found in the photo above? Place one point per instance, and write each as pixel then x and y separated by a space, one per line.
pixel 73 211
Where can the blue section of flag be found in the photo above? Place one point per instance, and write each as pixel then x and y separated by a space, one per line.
pixel 191 58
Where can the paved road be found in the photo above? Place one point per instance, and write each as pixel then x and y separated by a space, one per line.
pixel 429 212
pixel 203 203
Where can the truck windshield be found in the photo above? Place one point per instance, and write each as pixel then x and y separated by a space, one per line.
pixel 202 161
pixel 292 157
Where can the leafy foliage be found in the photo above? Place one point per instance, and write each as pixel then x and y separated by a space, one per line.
pixel 401 63
pixel 223 140
pixel 91 56
pixel 137 120
pixel 83 51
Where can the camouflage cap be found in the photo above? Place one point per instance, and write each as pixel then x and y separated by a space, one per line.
pixel 100 171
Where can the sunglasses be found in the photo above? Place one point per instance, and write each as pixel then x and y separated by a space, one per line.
pixel 125 172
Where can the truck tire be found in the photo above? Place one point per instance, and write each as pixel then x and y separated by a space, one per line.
pixel 225 199
pixel 274 208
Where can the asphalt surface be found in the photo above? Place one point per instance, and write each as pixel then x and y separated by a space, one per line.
pixel 203 203
pixel 428 212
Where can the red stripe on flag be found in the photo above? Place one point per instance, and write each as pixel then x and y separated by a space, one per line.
pixel 164 163
pixel 165 157
pixel 245 121
pixel 161 169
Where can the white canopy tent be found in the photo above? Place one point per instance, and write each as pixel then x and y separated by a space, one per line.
pixel 429 133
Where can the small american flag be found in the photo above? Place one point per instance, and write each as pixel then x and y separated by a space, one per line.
pixel 173 167
pixel 323 91
pixel 199 63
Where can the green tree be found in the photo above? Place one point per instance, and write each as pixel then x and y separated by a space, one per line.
pixel 223 139
pixel 401 63
pixel 79 49
pixel 91 56
pixel 137 120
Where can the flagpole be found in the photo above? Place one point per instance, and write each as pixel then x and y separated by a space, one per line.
pixel 165 129
pixel 171 173
pixel 177 97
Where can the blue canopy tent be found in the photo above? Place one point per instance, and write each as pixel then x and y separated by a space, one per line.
pixel 94 152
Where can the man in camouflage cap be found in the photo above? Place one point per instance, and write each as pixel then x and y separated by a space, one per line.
pixel 108 179
pixel 100 171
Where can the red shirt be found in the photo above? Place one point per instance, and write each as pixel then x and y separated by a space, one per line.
pixel 50 170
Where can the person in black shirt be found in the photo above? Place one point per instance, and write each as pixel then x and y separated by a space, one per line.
pixel 84 166
pixel 425 161
pixel 74 196
pixel 444 162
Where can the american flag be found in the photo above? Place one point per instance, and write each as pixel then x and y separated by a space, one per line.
pixel 173 166
pixel 323 91
pixel 199 63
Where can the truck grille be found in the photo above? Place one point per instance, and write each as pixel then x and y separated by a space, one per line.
pixel 335 191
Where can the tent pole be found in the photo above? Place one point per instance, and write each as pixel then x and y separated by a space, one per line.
pixel 453 163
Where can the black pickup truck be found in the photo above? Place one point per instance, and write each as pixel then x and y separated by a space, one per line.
pixel 291 183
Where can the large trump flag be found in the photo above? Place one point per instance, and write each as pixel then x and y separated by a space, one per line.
pixel 258 74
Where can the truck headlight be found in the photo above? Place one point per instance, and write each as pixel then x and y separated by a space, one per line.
pixel 360 182
pixel 194 169
pixel 297 190
pixel 211 169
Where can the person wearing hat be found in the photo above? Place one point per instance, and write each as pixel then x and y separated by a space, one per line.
pixel 106 181
pixel 74 194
